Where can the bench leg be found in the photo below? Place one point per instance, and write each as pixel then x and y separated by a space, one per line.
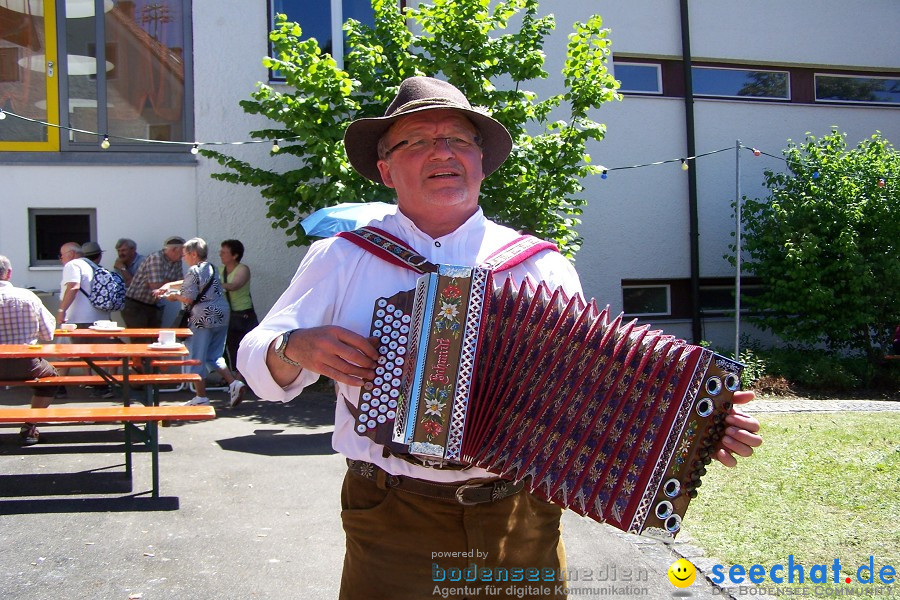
pixel 128 449
pixel 153 440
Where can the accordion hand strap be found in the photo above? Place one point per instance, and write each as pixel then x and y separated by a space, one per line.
pixel 395 251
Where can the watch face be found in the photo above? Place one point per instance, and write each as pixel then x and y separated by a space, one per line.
pixel 281 342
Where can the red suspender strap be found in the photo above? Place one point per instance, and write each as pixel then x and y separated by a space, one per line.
pixel 395 251
pixel 516 252
pixel 389 248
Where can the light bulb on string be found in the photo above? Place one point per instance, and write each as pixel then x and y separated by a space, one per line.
pixel 105 143
pixel 195 149
pixel 684 164
pixel 756 152
pixel 815 175
pixel 881 183
pixel 275 147
pixel 2 114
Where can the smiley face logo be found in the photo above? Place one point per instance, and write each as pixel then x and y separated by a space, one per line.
pixel 682 573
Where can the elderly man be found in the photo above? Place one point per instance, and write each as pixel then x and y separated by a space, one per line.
pixel 24 319
pixel 141 304
pixel 434 150
pixel 128 260
pixel 77 278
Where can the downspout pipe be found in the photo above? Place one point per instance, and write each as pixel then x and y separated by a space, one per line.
pixel 694 228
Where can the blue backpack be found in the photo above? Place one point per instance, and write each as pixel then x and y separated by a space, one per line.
pixel 107 289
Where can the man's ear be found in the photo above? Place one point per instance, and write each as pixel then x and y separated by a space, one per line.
pixel 385 169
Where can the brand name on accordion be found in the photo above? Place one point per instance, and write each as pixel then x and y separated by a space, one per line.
pixel 439 369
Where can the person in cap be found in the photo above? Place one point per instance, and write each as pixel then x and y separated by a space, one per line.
pixel 75 286
pixel 434 149
pixel 142 307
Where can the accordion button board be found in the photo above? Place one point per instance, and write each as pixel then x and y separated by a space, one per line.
pixel 610 419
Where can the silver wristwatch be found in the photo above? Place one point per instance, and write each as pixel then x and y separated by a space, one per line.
pixel 281 344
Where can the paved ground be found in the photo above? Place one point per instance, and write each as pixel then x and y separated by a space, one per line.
pixel 249 510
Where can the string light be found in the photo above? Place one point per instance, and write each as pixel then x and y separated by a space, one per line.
pixel 195 148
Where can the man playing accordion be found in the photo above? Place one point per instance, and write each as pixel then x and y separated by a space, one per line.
pixel 434 149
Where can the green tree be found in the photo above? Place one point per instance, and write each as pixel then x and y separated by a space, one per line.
pixel 826 244
pixel 470 44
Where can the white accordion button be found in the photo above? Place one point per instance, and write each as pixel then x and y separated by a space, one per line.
pixel 379 313
pixel 390 308
pixel 364 407
pixel 391 414
pixel 405 318
pixel 371 424
pixel 381 418
pixel 360 428
pixel 381 303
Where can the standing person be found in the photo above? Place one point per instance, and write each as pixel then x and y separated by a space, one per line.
pixel 77 277
pixel 235 278
pixel 201 292
pixel 141 303
pixel 128 260
pixel 24 319
pixel 434 150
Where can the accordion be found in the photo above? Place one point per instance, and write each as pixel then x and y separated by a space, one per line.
pixel 610 419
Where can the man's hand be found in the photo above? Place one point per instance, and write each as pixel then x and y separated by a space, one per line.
pixel 331 351
pixel 742 433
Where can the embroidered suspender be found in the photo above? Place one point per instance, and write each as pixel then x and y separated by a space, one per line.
pixel 397 252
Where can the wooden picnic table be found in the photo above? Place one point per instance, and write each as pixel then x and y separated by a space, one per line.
pixel 97 356
pixel 93 355
pixel 125 332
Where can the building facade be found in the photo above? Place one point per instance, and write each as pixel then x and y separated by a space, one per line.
pixel 761 72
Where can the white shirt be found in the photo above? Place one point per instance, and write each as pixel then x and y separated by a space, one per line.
pixel 79 272
pixel 337 283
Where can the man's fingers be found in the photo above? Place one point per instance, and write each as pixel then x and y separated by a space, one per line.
pixel 743 397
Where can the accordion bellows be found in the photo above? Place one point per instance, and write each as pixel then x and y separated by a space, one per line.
pixel 611 419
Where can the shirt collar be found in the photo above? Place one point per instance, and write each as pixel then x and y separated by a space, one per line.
pixel 5 283
pixel 476 221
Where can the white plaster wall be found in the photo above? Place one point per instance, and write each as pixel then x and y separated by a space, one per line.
pixel 146 204
pixel 230 41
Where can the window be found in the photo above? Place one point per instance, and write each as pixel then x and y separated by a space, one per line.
pixel 317 20
pixel 638 77
pixel 740 83
pixel 850 88
pixel 646 300
pixel 125 73
pixel 719 299
pixel 50 228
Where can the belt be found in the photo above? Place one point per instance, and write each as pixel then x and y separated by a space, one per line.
pixel 475 491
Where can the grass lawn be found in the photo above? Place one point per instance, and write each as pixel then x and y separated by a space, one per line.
pixel 822 486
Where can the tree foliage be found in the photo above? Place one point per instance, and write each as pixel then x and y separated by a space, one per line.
pixel 470 44
pixel 826 244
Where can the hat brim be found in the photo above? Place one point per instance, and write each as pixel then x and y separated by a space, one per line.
pixel 361 140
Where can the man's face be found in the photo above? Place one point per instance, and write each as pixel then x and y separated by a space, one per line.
pixel 173 253
pixel 66 254
pixel 433 161
pixel 126 254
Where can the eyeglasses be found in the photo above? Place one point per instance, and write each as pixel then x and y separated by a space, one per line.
pixel 424 144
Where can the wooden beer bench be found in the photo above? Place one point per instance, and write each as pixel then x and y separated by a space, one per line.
pixel 131 416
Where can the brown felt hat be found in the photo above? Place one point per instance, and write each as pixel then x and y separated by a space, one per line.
pixel 417 94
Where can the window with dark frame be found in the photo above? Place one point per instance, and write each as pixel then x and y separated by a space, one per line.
pixel 647 300
pixel 857 88
pixel 741 83
pixel 643 78
pixel 50 228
